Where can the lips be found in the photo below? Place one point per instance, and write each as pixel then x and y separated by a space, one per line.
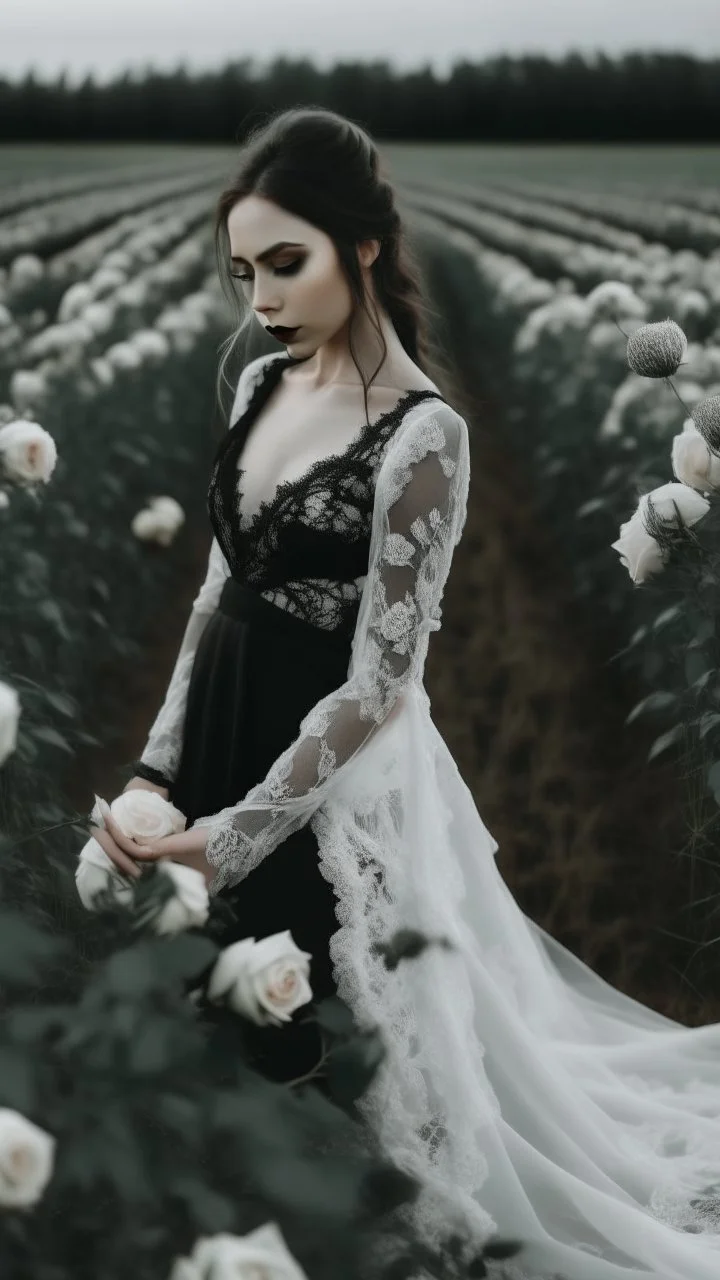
pixel 282 332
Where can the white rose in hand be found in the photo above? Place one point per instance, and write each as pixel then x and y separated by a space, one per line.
pixel 26 1159
pixel 265 981
pixel 190 905
pixel 96 872
pixel 145 816
pixel 262 1252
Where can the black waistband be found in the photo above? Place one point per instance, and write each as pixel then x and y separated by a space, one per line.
pixel 240 601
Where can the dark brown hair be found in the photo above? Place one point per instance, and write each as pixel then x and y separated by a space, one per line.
pixel 326 169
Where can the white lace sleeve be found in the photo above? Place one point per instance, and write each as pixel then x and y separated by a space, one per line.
pixel 419 510
pixel 161 756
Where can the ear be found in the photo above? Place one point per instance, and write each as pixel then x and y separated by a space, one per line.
pixel 367 251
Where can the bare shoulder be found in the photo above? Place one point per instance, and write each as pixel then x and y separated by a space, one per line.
pixel 419 381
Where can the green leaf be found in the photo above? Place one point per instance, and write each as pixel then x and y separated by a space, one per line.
pixel 210 1211
pixel 667 615
pixel 587 508
pixel 696 665
pixel 46 733
pixel 17 1081
pixel 705 631
pixel 335 1016
pixel 713 780
pixel 708 722
pixel 146 967
pixel 50 610
pixel 26 952
pixel 62 702
pixel 657 701
pixel 151 1049
pixel 665 740
pixel 637 635
pixel 352 1066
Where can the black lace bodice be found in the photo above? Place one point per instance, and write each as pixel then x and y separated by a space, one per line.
pixel 306 548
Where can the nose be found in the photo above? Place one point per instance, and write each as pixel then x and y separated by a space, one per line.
pixel 262 301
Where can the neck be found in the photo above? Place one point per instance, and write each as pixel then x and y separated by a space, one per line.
pixel 332 363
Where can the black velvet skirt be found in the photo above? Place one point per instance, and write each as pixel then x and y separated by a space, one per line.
pixel 258 670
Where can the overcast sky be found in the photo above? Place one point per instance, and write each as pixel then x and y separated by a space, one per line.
pixel 107 36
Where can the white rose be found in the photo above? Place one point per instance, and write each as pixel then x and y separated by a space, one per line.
pixel 99 316
pixel 26 1159
pixel 151 343
pixel 96 872
pixel 102 371
pixel 122 355
pixel 169 508
pixel 691 505
pixel 107 279
pixel 143 815
pixel 157 523
pixel 27 451
pixel 638 550
pixel 614 298
pixel 190 905
pixel 27 388
pixel 692 461
pixel 26 269
pixel 9 717
pixel 169 517
pixel 265 981
pixel 261 1253
pixel 74 299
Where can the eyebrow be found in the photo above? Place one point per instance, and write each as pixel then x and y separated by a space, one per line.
pixel 267 253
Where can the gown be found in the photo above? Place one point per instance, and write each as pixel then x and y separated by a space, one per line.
pixel 531 1099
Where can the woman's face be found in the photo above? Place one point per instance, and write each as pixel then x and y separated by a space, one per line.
pixel 301 284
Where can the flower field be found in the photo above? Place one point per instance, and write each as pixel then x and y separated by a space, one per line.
pixel 577 296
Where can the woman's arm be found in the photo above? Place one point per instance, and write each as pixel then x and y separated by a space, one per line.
pixel 161 755
pixel 420 508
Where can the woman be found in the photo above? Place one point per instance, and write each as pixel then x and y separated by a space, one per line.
pixel 530 1097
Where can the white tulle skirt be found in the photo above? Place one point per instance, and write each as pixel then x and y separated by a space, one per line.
pixel 532 1099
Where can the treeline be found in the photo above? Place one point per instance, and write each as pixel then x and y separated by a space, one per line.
pixel 638 97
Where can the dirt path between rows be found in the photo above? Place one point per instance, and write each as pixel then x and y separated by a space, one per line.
pixel 534 718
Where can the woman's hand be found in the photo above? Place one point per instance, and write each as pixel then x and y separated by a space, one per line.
pixel 187 847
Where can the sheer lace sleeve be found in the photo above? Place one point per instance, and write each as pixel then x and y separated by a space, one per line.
pixel 419 511
pixel 161 756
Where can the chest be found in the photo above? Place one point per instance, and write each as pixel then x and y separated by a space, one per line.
pixel 291 434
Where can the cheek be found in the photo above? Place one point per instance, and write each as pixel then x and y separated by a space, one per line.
pixel 325 291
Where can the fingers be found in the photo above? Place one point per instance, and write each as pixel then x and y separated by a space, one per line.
pixel 121 840
pixel 118 856
pixel 136 852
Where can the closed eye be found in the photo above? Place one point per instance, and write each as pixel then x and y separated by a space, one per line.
pixel 289 270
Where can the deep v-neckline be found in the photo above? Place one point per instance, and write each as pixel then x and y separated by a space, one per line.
pixel 261 393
